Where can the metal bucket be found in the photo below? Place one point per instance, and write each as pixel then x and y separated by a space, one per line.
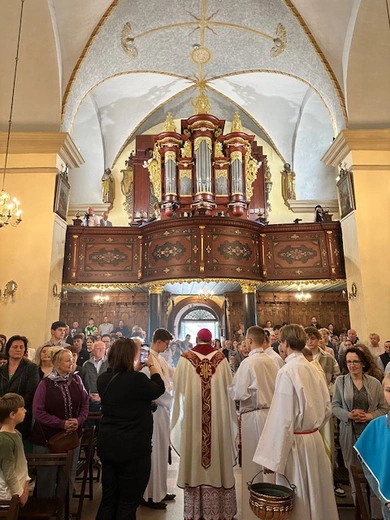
pixel 271 501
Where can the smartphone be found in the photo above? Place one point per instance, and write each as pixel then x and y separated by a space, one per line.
pixel 145 351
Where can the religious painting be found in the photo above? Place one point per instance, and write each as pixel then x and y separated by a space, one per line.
pixel 61 200
pixel 346 195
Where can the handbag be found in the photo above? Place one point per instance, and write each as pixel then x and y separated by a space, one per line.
pixel 63 442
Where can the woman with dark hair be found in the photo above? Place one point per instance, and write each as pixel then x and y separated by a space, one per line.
pixel 357 399
pixel 176 351
pixel 19 376
pixel 125 433
pixel 217 344
pixel 371 367
pixel 89 341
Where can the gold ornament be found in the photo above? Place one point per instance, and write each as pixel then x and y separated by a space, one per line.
pixel 218 151
pixel 251 169
pixel 127 41
pixel 201 103
pixel 169 125
pixel 154 167
pixel 236 123
pixel 186 151
pixel 280 41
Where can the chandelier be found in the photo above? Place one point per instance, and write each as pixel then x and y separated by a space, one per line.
pixel 205 294
pixel 10 213
pixel 302 296
pixel 101 299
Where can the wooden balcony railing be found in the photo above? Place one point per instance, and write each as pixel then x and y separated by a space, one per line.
pixel 203 248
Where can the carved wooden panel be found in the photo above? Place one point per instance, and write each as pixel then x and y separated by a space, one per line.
pixel 102 256
pixel 132 308
pixel 231 252
pixel 301 252
pixel 280 307
pixel 173 253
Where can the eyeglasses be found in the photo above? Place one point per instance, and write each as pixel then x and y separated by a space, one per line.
pixel 354 362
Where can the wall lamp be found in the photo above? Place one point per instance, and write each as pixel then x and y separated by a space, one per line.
pixel 9 290
pixel 351 295
pixel 60 295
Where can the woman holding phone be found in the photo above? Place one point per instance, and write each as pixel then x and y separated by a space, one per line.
pixel 125 433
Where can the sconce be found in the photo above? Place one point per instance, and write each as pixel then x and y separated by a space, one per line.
pixel 60 295
pixel 351 295
pixel 9 290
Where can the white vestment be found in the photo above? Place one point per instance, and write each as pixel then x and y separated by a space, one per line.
pixel 275 357
pixel 203 432
pixel 291 444
pixel 157 485
pixel 253 385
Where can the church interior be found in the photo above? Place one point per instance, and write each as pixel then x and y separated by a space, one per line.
pixel 297 113
pixel 209 131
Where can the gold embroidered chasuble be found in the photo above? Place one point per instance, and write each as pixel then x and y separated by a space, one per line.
pixel 205 368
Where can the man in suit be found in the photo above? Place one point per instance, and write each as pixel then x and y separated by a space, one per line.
pixel 104 222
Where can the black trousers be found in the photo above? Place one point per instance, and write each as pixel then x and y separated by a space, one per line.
pixel 123 485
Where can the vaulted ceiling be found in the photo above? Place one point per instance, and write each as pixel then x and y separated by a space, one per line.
pixel 297 71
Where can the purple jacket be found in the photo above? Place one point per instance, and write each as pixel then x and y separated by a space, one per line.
pixel 54 403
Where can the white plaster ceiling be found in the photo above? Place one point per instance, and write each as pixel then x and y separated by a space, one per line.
pixel 75 21
pixel 72 55
pixel 291 99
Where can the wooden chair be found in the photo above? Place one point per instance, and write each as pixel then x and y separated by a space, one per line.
pixel 9 508
pixel 360 480
pixel 84 466
pixel 46 508
pixel 93 416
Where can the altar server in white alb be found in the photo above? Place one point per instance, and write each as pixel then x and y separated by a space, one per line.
pixel 291 443
pixel 204 428
pixel 253 386
pixel 156 493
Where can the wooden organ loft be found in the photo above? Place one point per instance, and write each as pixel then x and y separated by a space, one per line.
pixel 197 204
pixel 199 171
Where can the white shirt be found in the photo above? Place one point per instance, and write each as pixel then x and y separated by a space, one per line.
pixel 93 221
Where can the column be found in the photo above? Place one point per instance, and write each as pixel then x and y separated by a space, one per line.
pixel 32 254
pixel 249 303
pixel 366 230
pixel 155 308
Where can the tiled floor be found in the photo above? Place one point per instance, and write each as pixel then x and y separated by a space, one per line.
pixel 174 509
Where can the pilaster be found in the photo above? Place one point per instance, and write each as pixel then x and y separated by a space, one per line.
pixel 32 254
pixel 366 230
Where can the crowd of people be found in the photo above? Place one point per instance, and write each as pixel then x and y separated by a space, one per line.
pixel 277 399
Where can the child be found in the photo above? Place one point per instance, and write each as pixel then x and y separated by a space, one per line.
pixel 373 448
pixel 14 477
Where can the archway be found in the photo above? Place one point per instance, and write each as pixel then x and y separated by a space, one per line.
pixel 197 318
pixel 189 315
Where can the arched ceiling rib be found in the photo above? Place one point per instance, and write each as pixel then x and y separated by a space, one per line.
pixel 156 43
